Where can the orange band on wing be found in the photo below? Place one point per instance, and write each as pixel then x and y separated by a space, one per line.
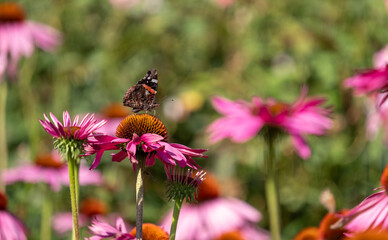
pixel 149 89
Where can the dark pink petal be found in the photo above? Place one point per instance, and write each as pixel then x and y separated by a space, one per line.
pixel 120 156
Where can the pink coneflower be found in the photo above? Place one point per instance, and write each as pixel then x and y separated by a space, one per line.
pixel 18 37
pixel 371 213
pixel 71 130
pixel 10 226
pixel 102 230
pixel 380 58
pixel 377 116
pixel 372 81
pixel 148 132
pixel 243 120
pixel 214 216
pixel 49 168
pixel 90 208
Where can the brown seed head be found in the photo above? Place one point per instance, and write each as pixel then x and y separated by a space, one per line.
pixel 310 233
pixel 384 179
pixel 92 206
pixel 140 124
pixel 48 160
pixel 11 12
pixel 115 110
pixel 152 232
pixel 325 230
pixel 208 189
pixel 3 201
pixel 233 235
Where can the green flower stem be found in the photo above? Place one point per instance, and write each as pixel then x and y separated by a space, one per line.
pixel 73 196
pixel 76 178
pixel 139 199
pixel 47 211
pixel 272 191
pixel 30 104
pixel 175 217
pixel 3 135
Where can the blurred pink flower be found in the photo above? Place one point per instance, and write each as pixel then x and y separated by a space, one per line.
pixel 102 230
pixel 380 58
pixel 372 81
pixel 113 113
pixel 48 168
pixel 69 130
pixel 377 116
pixel 90 208
pixel 213 216
pixel 18 37
pixel 10 226
pixel 372 213
pixel 224 3
pixel 141 130
pixel 369 81
pixel 243 120
pixel 120 4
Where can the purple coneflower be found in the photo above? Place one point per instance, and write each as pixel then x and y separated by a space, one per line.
pixel 372 213
pixel 49 168
pixel 141 138
pixel 18 37
pixel 212 216
pixel 243 120
pixel 70 140
pixel 372 81
pixel 147 133
pixel 10 226
pixel 102 230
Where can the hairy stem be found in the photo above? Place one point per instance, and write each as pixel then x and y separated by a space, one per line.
pixel 175 217
pixel 47 211
pixel 3 135
pixel 73 196
pixel 272 190
pixel 139 199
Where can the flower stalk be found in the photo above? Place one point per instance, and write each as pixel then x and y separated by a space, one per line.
pixel 3 135
pixel 139 198
pixel 271 188
pixel 73 196
pixel 47 211
pixel 175 217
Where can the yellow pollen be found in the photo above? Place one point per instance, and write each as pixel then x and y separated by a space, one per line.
pixel 11 12
pixel 140 124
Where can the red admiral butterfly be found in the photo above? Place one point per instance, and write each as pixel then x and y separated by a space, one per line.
pixel 141 96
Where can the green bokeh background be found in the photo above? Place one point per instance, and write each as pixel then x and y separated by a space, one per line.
pixel 251 48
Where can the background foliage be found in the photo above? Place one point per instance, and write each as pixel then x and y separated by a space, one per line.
pixel 264 48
